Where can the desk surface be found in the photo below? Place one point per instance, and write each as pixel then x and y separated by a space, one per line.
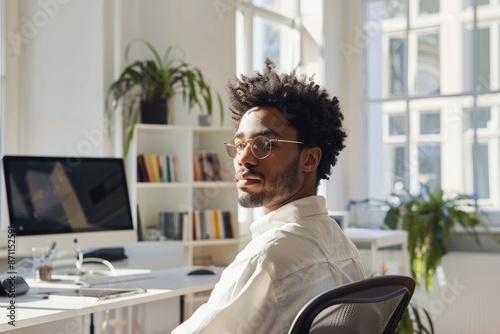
pixel 380 238
pixel 32 309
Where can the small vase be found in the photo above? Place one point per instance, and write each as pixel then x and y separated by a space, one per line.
pixel 204 120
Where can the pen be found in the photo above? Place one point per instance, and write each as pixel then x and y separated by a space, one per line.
pixel 50 252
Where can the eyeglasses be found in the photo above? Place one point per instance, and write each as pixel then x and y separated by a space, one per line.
pixel 260 146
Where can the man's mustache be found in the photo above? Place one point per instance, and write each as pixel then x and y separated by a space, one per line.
pixel 246 170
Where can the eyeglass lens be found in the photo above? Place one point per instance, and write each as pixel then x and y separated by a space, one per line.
pixel 260 146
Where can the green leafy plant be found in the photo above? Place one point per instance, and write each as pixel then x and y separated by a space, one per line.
pixel 156 79
pixel 415 320
pixel 429 218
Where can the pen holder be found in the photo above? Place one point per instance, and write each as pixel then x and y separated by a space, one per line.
pixel 41 263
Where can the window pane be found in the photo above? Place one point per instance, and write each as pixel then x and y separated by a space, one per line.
pixel 283 7
pixel 430 123
pixel 397 125
pixel 3 224
pixel 375 150
pixel 482 118
pixel 428 6
pixel 483 172
pixel 384 57
pixel 397 167
pixel 396 8
pixel 482 80
pixel 396 54
pixel 428 68
pixel 469 3
pixel 275 41
pixel 429 165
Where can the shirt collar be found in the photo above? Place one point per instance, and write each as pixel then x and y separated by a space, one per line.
pixel 293 211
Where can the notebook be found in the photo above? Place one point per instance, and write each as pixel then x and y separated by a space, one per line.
pixel 95 294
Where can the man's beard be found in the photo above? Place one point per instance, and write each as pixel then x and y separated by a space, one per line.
pixel 282 183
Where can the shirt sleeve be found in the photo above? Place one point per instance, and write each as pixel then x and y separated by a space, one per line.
pixel 243 301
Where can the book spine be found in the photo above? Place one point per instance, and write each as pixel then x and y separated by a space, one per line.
pixel 228 224
pixel 141 169
pixel 171 168
pixel 197 167
pixel 215 220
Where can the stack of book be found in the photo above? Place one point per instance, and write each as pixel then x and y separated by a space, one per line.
pixel 171 225
pixel 212 224
pixel 206 166
pixel 158 168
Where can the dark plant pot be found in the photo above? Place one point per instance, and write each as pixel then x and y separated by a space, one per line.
pixel 154 112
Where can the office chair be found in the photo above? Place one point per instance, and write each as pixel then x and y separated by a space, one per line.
pixel 374 305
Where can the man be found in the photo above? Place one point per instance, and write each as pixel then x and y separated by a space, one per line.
pixel 288 136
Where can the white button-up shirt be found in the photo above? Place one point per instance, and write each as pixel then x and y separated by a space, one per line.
pixel 296 252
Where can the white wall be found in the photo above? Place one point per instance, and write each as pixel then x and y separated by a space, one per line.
pixel 67 62
pixel 61 84
pixel 62 57
pixel 342 20
pixel 71 50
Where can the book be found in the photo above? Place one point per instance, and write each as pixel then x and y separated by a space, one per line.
pixel 228 224
pixel 160 168
pixel 153 161
pixel 171 168
pixel 141 169
pixel 198 174
pixel 95 294
pixel 171 225
pixel 196 225
pixel 216 167
pixel 218 225
pixel 178 169
pixel 149 169
pixel 209 224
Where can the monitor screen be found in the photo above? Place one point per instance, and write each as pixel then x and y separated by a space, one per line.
pixel 341 217
pixel 52 195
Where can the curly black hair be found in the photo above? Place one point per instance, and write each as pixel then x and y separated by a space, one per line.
pixel 307 107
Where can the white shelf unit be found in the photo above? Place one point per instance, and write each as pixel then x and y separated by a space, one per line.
pixel 186 195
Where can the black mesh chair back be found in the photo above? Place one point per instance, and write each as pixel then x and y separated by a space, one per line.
pixel 371 306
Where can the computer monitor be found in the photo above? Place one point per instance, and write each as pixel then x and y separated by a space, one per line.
pixel 74 201
pixel 341 217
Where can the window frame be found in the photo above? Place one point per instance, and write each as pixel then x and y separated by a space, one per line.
pixel 450 101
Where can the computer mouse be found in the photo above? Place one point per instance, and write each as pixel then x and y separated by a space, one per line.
pixel 201 272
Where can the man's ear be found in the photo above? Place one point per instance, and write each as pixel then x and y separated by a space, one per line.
pixel 311 160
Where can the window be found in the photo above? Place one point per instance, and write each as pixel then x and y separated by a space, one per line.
pixel 428 69
pixel 287 31
pixel 432 75
pixel 2 76
pixel 428 6
pixel 396 56
pixel 273 40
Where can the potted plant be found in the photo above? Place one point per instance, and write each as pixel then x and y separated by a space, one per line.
pixel 430 218
pixel 151 83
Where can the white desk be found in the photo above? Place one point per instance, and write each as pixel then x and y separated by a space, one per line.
pixel 378 239
pixel 32 309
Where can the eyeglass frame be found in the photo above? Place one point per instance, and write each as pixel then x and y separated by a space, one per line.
pixel 250 141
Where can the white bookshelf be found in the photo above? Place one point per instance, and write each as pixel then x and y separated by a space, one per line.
pixel 186 195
